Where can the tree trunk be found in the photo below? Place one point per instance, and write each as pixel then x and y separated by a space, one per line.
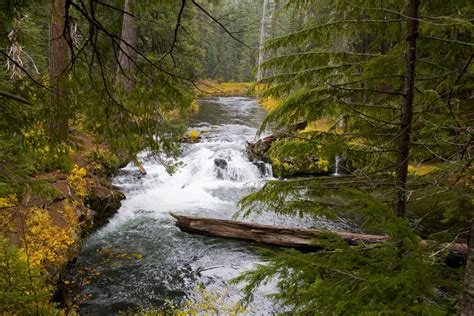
pixel 128 45
pixel 301 238
pixel 407 110
pixel 466 306
pixel 58 63
pixel 266 234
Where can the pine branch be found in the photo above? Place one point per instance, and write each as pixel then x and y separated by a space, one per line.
pixel 447 40
pixel 12 96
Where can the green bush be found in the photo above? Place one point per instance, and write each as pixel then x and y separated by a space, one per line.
pixel 103 161
pixel 23 291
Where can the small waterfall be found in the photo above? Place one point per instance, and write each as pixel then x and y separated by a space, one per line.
pixel 215 174
pixel 336 165
pixel 261 52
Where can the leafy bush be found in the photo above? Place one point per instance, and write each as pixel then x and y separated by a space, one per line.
pixel 46 242
pixel 103 161
pixel 78 182
pixel 194 136
pixel 48 156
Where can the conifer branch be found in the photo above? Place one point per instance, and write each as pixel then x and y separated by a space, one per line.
pixel 15 97
pixel 447 40
pixel 336 86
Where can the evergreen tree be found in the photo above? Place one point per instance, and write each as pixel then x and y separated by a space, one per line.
pixel 347 62
pixel 58 64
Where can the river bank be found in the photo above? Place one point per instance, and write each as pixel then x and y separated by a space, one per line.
pixel 47 227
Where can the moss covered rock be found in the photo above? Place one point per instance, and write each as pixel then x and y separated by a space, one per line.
pixel 290 166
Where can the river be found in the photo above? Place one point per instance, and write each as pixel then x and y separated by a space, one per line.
pixel 141 259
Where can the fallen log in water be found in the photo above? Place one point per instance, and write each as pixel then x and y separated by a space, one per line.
pixel 281 236
pixel 267 234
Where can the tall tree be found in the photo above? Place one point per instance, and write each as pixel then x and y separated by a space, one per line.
pixel 407 108
pixel 128 48
pixel 394 83
pixel 58 63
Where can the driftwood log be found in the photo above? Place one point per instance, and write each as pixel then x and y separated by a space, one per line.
pixel 266 234
pixel 301 238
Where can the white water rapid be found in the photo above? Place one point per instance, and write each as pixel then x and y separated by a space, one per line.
pixel 141 259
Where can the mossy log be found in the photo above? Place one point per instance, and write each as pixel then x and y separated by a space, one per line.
pixel 301 238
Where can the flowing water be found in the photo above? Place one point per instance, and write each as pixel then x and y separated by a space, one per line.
pixel 336 165
pixel 141 259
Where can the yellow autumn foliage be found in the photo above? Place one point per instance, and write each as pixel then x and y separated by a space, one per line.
pixel 421 170
pixel 9 201
pixel 193 136
pixel 323 125
pixel 269 103
pixel 78 181
pixel 46 243
pixel 214 88
pixel 47 157
pixel 323 164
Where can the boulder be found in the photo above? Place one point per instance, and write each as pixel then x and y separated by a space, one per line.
pixel 220 163
pixel 262 167
pixel 258 150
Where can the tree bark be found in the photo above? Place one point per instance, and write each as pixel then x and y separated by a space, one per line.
pixel 407 110
pixel 128 45
pixel 466 306
pixel 58 63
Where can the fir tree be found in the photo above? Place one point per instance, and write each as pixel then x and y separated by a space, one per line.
pixel 348 62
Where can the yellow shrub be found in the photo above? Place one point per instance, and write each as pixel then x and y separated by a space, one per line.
pixel 46 157
pixel 194 136
pixel 78 182
pixel 46 243
pixel 23 289
pixel 9 201
pixel 323 165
